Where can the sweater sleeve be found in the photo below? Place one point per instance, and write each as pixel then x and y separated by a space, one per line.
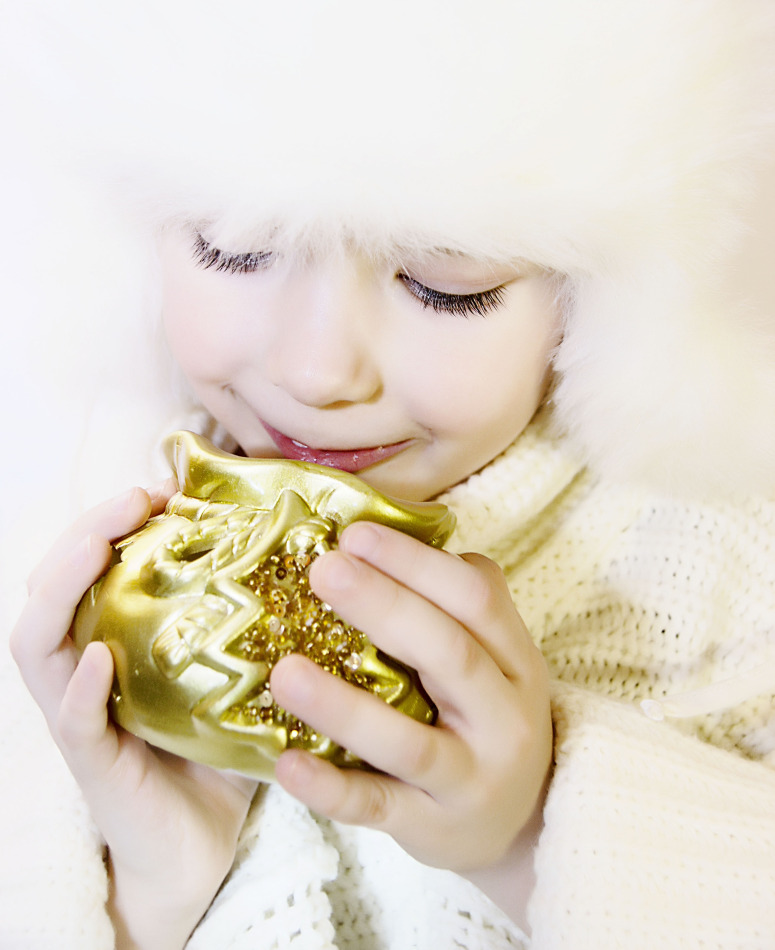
pixel 53 883
pixel 652 838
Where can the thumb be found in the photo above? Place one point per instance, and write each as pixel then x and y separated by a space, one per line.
pixel 87 738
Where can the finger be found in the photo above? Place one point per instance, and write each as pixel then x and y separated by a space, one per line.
pixel 111 519
pixel 349 796
pixel 430 758
pixel 452 664
pixel 86 739
pixel 471 588
pixel 341 796
pixel 160 494
pixel 413 818
pixel 110 765
pixel 39 643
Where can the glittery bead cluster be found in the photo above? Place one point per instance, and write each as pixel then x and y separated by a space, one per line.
pixel 295 620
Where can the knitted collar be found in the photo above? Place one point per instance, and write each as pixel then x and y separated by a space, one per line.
pixel 492 505
pixel 498 503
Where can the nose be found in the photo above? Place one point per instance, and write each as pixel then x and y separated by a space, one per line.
pixel 325 352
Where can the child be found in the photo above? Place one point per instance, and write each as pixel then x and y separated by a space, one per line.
pixel 473 256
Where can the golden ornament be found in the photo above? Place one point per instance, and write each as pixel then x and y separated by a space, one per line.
pixel 203 600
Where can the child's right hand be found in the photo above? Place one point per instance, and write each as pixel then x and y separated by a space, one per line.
pixel 171 826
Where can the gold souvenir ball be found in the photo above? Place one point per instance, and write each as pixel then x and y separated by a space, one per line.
pixel 201 602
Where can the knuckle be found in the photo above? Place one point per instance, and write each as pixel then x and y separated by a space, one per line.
pixel 463 653
pixel 534 669
pixel 421 754
pixel 375 806
pixel 486 587
pixel 66 728
pixel 21 642
pixel 16 645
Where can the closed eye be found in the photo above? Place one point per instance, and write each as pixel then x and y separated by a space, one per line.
pixel 463 305
pixel 207 256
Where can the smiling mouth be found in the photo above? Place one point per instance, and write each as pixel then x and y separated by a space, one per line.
pixel 346 460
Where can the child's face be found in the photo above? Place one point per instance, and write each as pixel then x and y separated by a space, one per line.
pixel 338 361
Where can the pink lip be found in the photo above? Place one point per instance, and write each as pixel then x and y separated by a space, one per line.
pixel 347 460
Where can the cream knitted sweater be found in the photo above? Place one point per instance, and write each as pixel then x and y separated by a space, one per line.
pixel 657 834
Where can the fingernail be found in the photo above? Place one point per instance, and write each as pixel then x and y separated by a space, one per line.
pixel 124 500
pixel 293 685
pixel 81 552
pixel 361 538
pixel 339 571
pixel 161 489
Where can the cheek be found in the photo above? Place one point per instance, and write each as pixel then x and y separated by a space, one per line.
pixel 189 340
pixel 473 387
pixel 488 379
pixel 193 327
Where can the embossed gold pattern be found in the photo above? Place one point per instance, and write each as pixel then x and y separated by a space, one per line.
pixel 202 601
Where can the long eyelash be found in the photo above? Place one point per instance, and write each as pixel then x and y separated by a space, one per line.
pixel 463 305
pixel 207 256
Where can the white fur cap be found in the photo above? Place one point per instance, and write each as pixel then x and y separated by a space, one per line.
pixel 612 141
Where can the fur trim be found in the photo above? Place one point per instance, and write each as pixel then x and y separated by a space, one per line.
pixel 615 143
pixel 666 383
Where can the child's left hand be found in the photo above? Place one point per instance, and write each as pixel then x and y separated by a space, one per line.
pixel 454 795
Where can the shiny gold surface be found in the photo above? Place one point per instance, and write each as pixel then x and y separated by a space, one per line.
pixel 202 601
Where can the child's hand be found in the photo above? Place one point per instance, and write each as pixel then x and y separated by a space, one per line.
pixel 170 826
pixel 458 794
